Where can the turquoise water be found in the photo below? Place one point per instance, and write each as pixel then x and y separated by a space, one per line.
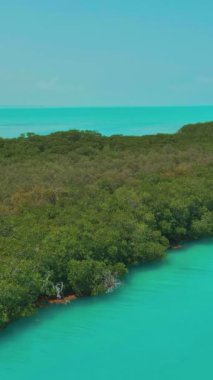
pixel 108 121
pixel 157 326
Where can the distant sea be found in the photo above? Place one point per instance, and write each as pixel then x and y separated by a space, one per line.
pixel 108 121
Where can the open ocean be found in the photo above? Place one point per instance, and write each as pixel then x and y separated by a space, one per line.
pixel 108 121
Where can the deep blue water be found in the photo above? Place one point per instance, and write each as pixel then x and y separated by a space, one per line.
pixel 108 121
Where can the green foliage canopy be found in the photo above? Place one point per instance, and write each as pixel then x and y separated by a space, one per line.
pixel 78 208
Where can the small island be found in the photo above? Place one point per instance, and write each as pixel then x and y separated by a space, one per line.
pixel 78 208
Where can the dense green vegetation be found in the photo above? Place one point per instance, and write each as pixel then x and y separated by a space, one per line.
pixel 76 208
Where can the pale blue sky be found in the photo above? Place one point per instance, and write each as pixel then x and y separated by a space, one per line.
pixel 106 52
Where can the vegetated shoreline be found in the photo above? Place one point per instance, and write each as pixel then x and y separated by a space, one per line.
pixel 178 246
pixel 59 301
pixel 77 209
pixel 64 300
pixel 68 298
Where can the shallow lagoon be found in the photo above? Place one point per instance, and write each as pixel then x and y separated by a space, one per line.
pixel 157 325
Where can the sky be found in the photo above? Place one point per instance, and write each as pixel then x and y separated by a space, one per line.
pixel 106 52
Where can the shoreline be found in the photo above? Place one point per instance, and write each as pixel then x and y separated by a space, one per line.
pixel 72 297
pixel 62 301
pixel 178 246
pixel 45 301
